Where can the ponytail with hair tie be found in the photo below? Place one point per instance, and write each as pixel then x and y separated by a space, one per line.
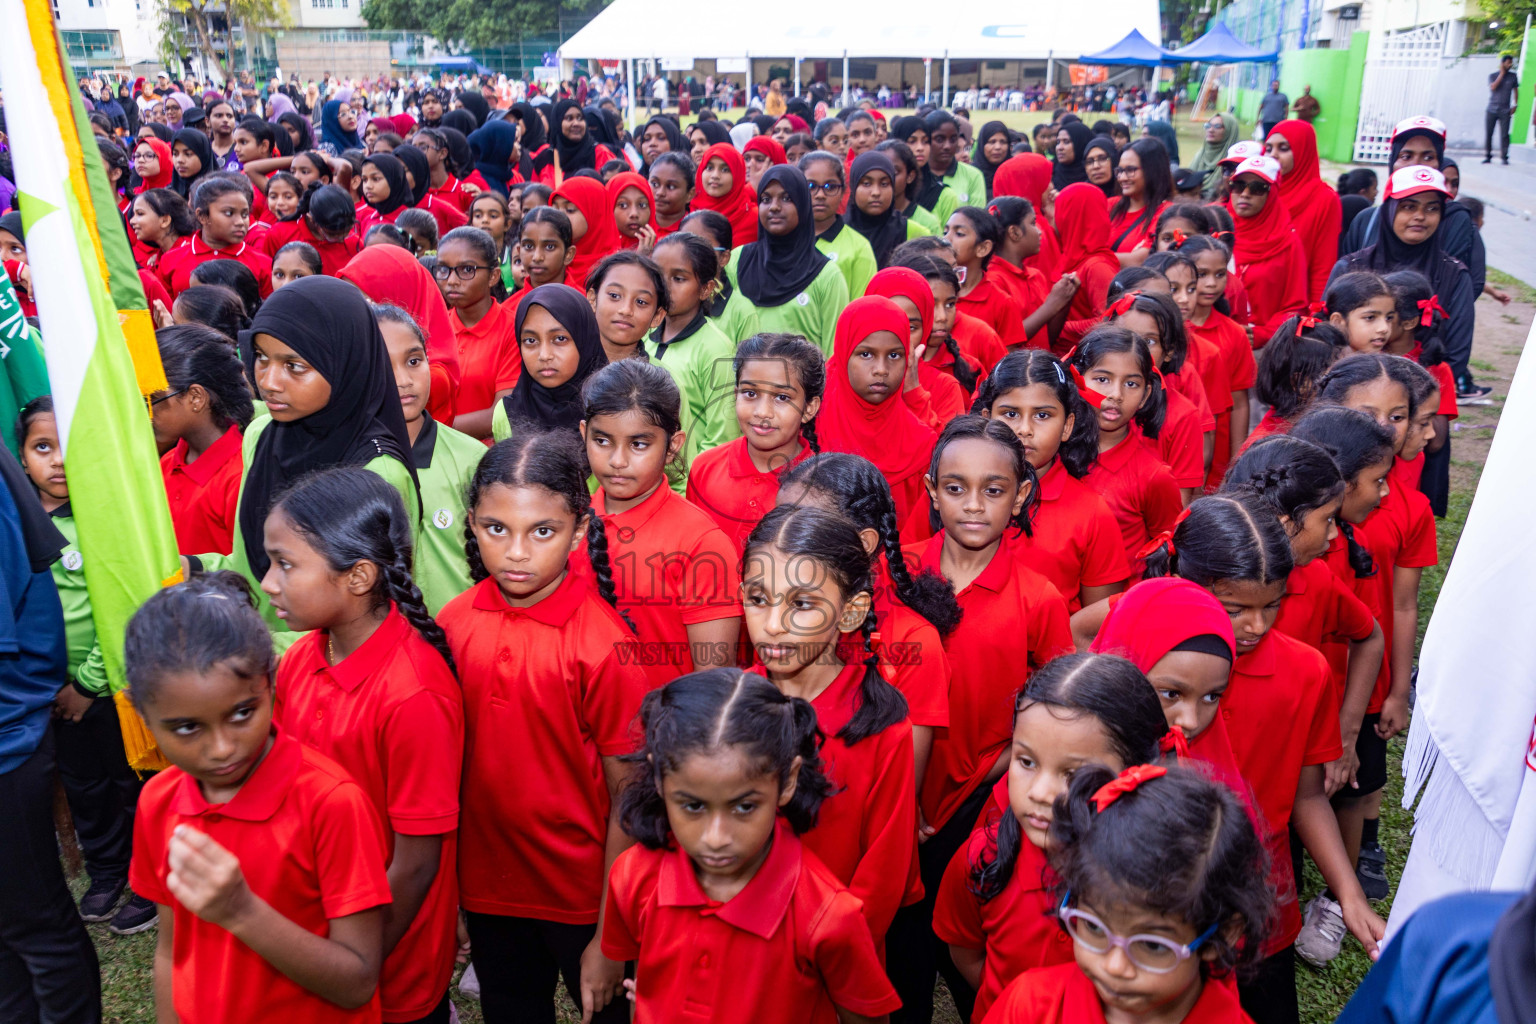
pixel 1179 238
pixel 1176 743
pixel 1429 310
pixel 1127 781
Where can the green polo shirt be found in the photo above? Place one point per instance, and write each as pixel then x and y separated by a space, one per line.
pixel 23 374
pixel 812 314
pixel 851 253
pixel 969 186
pixel 943 208
pixel 386 466
pixel 923 219
pixel 701 362
pixel 86 667
pixel 445 461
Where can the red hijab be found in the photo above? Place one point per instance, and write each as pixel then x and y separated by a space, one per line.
pixel 1266 236
pixel 590 197
pixel 1082 224
pixel 739 205
pixel 1156 616
pixel 889 434
pixel 616 185
pixel 388 273
pixel 1315 210
pixel 163 151
pixel 1027 176
pixel 908 284
pixel 767 146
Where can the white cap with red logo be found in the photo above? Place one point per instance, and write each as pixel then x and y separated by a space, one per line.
pixel 1241 151
pixel 1420 123
pixel 1407 181
pixel 1265 167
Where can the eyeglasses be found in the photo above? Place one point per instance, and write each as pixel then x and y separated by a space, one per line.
pixel 1257 188
pixel 826 188
pixel 464 271
pixel 1126 172
pixel 1153 953
pixel 168 395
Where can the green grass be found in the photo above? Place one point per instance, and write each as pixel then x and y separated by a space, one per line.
pixel 1517 289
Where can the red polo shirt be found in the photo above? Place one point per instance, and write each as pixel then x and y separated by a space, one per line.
pixel 309 844
pixel 792 945
pixel 549 690
pixel 175 267
pixel 672 568
pixel 1400 533
pixel 1063 994
pixel 1222 353
pixel 1140 492
pixel 977 339
pixel 1282 714
pixel 1076 540
pixel 333 255
pixel 1014 622
pixel 994 304
pixel 391 713
pixel 1319 609
pixel 1187 382
pixel 488 357
pixel 1028 287
pixel 725 485
pixel 1181 441
pixel 911 654
pixel 453 192
pixel 946 398
pixel 204 494
pixel 1014 928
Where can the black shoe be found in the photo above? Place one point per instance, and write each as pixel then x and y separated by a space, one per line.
pixel 137 915
pixel 1505 161
pixel 99 900
pixel 1487 159
pixel 1372 872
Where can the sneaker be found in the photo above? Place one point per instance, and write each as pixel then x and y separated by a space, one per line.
pixel 1487 159
pixel 1372 872
pixel 469 983
pixel 1467 391
pixel 99 900
pixel 1322 932
pixel 136 915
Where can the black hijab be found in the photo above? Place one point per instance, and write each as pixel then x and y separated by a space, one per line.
pixel 675 141
pixel 1111 188
pixel 198 143
pixel 773 270
pixel 463 120
pixel 1388 253
pixel 416 162
pixel 601 128
pixel 394 173
pixel 1071 173
pixel 929 187
pixel 299 123
pixel 160 131
pixel 979 154
pixel 885 232
pixel 714 131
pixel 460 159
pixel 327 321
pixel 476 104
pixel 574 156
pixel 558 407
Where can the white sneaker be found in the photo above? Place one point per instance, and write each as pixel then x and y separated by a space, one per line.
pixel 469 983
pixel 1322 932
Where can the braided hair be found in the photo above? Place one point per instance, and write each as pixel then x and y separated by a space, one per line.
pixel 1296 476
pixel 805 532
pixel 854 488
pixel 555 461
pixel 808 365
pixel 1355 441
pixel 1228 537
pixel 351 515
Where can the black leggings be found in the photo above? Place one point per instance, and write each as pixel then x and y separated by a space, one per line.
pixel 1270 997
pixel 518 961
pixel 913 954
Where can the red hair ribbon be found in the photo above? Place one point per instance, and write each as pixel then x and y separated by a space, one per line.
pixel 1427 310
pixel 1183 515
pixel 1162 539
pixel 1126 782
pixel 1311 317
pixel 1179 238
pixel 1123 304
pixel 993 210
pixel 1090 396
pixel 1175 742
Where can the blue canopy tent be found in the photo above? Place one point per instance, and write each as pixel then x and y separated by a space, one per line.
pixel 1220 46
pixel 1135 49
pixel 467 65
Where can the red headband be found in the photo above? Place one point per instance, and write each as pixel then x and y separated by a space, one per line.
pixel 1126 782
pixel 1427 310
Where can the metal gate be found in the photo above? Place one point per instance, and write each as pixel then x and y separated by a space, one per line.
pixel 1401 69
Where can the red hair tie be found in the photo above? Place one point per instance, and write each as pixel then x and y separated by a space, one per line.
pixel 1175 742
pixel 1123 304
pixel 1183 515
pixel 1427 310
pixel 1179 238
pixel 1090 396
pixel 1163 539
pixel 1126 782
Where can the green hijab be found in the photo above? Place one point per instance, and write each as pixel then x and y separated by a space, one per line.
pixel 1211 153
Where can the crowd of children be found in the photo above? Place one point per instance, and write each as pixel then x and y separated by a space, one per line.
pixel 738 587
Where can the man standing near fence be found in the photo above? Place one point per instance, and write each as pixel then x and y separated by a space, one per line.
pixel 1503 88
pixel 1273 108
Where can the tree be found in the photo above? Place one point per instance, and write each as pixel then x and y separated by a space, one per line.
pixel 200 16
pixel 473 24
pixel 1509 16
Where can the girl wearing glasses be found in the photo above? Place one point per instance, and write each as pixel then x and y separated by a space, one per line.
pixel 467 263
pixel 846 248
pixel 995 902
pixel 1270 259
pixel 1148 943
pixel 1145 178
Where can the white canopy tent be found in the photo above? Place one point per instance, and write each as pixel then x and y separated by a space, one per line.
pixel 629 30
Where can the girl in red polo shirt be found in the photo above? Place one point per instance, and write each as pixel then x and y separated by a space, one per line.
pixel 545 250
pixel 943 351
pixel 1416 335
pixel 807 586
pixel 489 360
pixel 913 611
pixel 997 892
pixel 1040 298
pixel 550 691
pixel 1134 853
pixel 974 234
pixel 1116 369
pixel 1288 371
pixel 371 684
pixel 224 217
pixel 1227 339
pixel 1363 308
pixel 325 219
pixel 1184 440
pixel 198 425
pixel 779 381
pixel 675 572
pixel 1013 622
pixel 1282 714
pixel 721 905
pixel 864 412
pixel 265 858
pixel 1074 539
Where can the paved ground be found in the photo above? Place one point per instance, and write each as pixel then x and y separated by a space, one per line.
pixel 1509 195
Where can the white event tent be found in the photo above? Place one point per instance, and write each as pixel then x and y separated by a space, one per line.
pixel 734 33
